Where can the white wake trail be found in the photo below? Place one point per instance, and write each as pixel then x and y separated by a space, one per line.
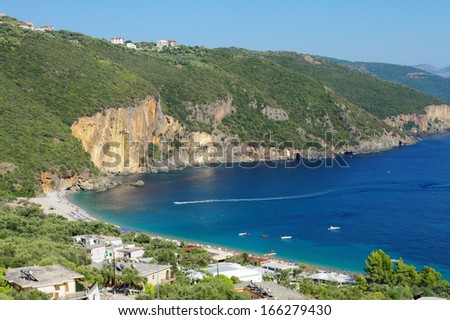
pixel 303 196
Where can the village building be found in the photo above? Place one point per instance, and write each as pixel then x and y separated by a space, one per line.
pixel 244 273
pixel 129 252
pixel 268 291
pixel 277 266
pixel 96 252
pixel 47 28
pixel 117 40
pixel 58 281
pixel 86 240
pixel 26 25
pixel 165 43
pixel 323 277
pixel 131 45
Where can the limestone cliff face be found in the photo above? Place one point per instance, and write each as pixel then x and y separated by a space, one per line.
pixel 212 113
pixel 435 120
pixel 117 139
pixel 386 141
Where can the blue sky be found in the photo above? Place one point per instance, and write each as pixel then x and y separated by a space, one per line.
pixel 395 31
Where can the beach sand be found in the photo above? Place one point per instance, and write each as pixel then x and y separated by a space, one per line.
pixel 57 203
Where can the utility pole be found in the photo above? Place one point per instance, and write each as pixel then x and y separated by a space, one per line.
pixel 114 268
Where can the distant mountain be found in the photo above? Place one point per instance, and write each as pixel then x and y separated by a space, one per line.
pixel 413 77
pixel 444 72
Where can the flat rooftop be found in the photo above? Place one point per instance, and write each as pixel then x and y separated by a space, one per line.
pixel 277 266
pixel 36 276
pixel 276 291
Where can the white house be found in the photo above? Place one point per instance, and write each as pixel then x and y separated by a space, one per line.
pixel 131 45
pixel 86 240
pixel 117 40
pixel 162 43
pixel 130 252
pixel 47 28
pixel 244 273
pixel 96 252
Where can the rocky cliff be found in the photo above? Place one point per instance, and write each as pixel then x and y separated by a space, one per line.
pixel 435 120
pixel 117 139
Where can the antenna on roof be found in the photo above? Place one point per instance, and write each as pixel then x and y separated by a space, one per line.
pixel 28 275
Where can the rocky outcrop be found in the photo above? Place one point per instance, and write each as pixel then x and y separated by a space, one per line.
pixel 85 181
pixel 6 167
pixel 211 113
pixel 117 139
pixel 386 141
pixel 272 113
pixel 276 114
pixel 435 120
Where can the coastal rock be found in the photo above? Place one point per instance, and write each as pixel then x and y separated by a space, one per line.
pixel 435 120
pixel 384 142
pixel 138 183
pixel 117 139
pixel 85 181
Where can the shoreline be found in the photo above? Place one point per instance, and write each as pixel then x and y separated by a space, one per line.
pixel 65 208
pixel 56 202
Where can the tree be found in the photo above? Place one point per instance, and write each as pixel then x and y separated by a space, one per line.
pixel 379 267
pixel 406 274
pixel 429 277
pixel 131 277
pixel 361 283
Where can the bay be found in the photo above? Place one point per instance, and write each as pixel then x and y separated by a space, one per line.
pixel 398 201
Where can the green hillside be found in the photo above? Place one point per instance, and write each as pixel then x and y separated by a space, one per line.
pixel 412 77
pixel 49 79
pixel 381 98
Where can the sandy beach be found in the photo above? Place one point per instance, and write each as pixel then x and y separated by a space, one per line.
pixel 57 203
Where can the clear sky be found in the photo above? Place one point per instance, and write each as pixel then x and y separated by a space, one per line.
pixel 397 31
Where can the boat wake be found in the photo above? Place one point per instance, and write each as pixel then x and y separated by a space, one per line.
pixel 303 196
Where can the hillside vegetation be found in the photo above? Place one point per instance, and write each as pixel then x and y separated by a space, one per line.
pixel 412 77
pixel 48 80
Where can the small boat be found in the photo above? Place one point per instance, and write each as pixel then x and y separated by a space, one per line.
pixel 271 253
pixel 331 228
pixel 244 234
pixel 286 237
pixel 264 236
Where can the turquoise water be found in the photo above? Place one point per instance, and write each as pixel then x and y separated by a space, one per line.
pixel 397 200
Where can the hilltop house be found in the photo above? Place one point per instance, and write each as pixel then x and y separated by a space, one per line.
pixel 117 40
pixel 165 43
pixel 46 28
pixel 129 252
pixel 26 25
pixel 131 45
pixel 58 281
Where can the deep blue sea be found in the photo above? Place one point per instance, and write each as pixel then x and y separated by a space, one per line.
pixel 397 200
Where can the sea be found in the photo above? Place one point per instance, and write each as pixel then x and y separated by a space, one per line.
pixel 397 201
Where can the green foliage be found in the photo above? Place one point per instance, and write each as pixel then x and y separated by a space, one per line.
pixel 131 278
pixel 409 76
pixel 212 288
pixel 429 277
pixel 406 274
pixel 379 267
pixel 29 237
